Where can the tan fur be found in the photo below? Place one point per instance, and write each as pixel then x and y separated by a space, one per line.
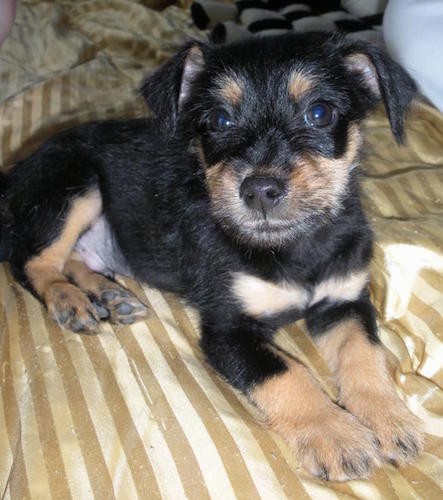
pixel 320 182
pixel 347 287
pixel 231 90
pixel 46 268
pixel 84 278
pixel 367 390
pixel 223 186
pixel 327 440
pixel 263 298
pixel 299 85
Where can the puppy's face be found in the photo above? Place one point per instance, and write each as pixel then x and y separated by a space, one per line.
pixel 277 145
pixel 275 123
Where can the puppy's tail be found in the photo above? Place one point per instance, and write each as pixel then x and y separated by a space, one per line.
pixel 5 231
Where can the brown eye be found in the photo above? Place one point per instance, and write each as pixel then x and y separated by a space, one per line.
pixel 220 120
pixel 320 114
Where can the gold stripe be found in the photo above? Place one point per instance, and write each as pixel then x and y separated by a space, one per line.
pixel 281 465
pixel 12 467
pixel 28 101
pixel 44 416
pixel 207 455
pixel 223 439
pixel 422 483
pixel 132 444
pixel 6 125
pixel 92 453
pixel 41 454
pixel 176 440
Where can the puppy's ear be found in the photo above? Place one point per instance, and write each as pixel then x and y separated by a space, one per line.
pixel 384 79
pixel 168 87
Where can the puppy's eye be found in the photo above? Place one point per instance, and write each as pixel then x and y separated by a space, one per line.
pixel 320 114
pixel 220 120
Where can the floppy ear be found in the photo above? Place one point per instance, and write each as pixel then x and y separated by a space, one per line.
pixel 166 89
pixel 384 79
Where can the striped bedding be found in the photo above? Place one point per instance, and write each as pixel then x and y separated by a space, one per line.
pixel 136 412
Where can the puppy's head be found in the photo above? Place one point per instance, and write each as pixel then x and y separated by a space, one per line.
pixel 275 123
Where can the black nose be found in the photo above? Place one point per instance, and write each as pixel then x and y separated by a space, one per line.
pixel 262 193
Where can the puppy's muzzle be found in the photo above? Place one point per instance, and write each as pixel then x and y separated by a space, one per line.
pixel 262 193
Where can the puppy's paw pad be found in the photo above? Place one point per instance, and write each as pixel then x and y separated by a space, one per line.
pixel 124 307
pixel 71 308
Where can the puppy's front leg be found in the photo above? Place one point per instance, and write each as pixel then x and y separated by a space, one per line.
pixel 328 441
pixel 347 338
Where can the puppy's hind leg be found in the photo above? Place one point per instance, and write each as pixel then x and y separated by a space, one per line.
pixel 111 300
pixel 44 272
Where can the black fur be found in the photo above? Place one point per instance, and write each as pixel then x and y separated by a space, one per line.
pixel 155 194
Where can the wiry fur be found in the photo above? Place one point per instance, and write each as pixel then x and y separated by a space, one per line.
pixel 178 213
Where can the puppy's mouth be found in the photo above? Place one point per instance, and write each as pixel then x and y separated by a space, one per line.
pixel 268 210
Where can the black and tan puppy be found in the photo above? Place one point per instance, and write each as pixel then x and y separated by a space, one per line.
pixel 241 195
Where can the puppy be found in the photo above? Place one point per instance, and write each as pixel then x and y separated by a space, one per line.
pixel 241 195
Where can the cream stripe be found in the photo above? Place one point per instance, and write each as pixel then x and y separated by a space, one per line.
pixel 422 483
pixel 432 466
pixel 424 319
pixel 320 491
pixel 403 489
pixel 380 202
pixel 46 101
pixel 175 439
pixel 366 489
pixel 412 195
pixel 168 481
pixel 70 451
pixel 163 462
pixel 132 451
pixel 263 476
pixel 32 450
pixel 205 452
pixel 28 101
pixel 384 485
pixel 224 441
pixel 81 349
pixel 253 441
pixel 6 129
pixel 386 206
pixel 13 468
pixel 36 110
pixel 431 188
pixel 43 412
pixel 429 294
pixel 92 453
pixel 9 423
pixel 16 123
pixel 55 103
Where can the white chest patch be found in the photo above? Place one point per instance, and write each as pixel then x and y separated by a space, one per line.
pixel 341 288
pixel 260 298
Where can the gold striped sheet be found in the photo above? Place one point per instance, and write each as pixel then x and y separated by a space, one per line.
pixel 136 412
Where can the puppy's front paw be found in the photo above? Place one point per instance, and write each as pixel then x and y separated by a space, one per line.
pixel 71 309
pixel 336 447
pixel 397 429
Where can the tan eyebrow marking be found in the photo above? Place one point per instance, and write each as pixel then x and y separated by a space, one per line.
pixel 231 90
pixel 299 84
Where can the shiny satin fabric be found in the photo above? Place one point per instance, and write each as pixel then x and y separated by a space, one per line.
pixel 136 411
